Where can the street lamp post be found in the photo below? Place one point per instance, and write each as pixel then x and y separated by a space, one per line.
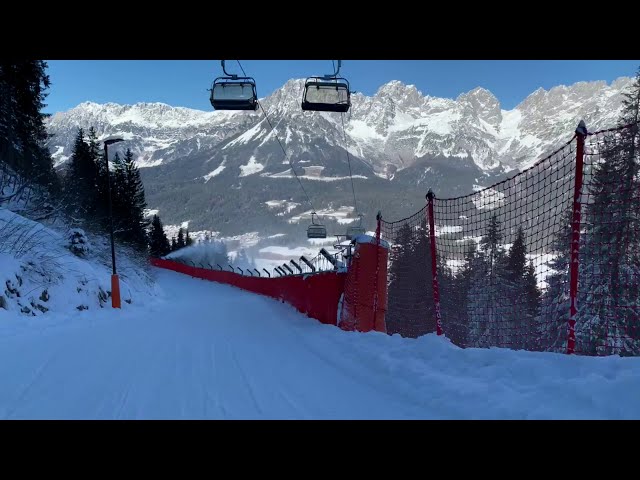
pixel 115 283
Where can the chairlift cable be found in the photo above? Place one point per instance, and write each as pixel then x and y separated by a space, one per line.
pixel 353 190
pixel 344 133
pixel 281 146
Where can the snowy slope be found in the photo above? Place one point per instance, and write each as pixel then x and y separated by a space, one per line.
pixel 40 275
pixel 203 350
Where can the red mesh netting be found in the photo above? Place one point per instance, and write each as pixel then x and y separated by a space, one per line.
pixel 503 255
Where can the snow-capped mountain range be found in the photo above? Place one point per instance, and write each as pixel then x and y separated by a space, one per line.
pixel 401 143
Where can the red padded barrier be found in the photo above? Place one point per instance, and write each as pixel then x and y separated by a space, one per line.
pixel 365 297
pixel 316 295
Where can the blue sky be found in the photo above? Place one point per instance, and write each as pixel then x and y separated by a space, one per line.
pixel 185 82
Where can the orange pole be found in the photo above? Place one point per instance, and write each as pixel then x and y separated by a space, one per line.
pixel 115 292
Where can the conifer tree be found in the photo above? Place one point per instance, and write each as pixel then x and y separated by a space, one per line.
pixel 131 191
pixel 180 243
pixel 158 243
pixel 81 175
pixel 610 259
pixel 490 310
pixel 23 134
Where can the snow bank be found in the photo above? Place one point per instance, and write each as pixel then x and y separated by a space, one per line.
pixel 203 350
pixel 285 206
pixel 448 382
pixel 215 172
pixel 41 273
pixel 251 168
pixel 370 239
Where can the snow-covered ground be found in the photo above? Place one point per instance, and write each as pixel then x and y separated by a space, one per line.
pixel 285 206
pixel 315 176
pixel 340 215
pixel 447 229
pixel 187 348
pixel 251 167
pixel 39 273
pixel 204 350
pixel 287 252
pixel 215 172
pixel 489 198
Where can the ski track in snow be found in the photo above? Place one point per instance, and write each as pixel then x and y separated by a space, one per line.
pixel 219 358
pixel 205 350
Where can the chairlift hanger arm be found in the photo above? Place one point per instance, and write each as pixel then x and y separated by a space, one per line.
pixel 335 74
pixel 232 75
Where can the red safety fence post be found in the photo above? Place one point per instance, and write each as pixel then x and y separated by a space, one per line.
pixel 434 265
pixel 581 133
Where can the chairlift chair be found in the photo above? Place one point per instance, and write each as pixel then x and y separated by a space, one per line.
pixel 353 232
pixel 328 93
pixel 232 92
pixel 316 230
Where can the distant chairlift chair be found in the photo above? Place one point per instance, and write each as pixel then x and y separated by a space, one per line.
pixel 353 232
pixel 316 230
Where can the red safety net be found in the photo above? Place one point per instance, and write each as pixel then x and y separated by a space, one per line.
pixel 364 302
pixel 503 256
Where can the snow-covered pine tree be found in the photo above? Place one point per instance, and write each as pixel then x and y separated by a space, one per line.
pixel 410 305
pixel 158 243
pixel 520 293
pixel 23 86
pixel 118 187
pixel 133 204
pixel 490 307
pixel 419 298
pixel 609 319
pixel 79 190
pixel 532 304
pixel 478 301
pixel 399 281
pixel 554 315
pixel 180 243
pixel 99 200
pixel 455 312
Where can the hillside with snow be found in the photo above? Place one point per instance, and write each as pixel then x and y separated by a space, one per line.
pixel 62 270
